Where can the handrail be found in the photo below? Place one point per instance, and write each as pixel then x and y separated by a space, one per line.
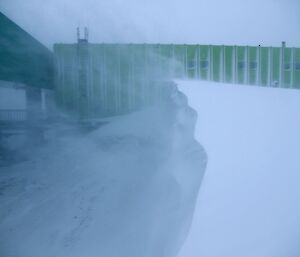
pixel 13 115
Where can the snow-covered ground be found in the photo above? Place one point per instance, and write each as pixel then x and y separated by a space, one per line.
pixel 128 189
pixel 249 200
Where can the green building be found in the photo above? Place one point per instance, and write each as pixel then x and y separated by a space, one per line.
pixel 99 80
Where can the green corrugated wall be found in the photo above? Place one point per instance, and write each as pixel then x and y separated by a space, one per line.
pixel 110 79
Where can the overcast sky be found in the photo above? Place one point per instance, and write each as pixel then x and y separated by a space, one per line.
pixel 266 22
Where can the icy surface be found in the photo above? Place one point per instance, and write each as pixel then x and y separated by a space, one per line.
pixel 249 200
pixel 127 189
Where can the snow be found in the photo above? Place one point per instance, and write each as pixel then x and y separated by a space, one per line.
pixel 127 189
pixel 249 201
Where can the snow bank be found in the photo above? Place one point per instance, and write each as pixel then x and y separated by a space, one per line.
pixel 249 200
pixel 127 189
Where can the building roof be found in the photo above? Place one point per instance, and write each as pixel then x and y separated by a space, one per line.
pixel 23 58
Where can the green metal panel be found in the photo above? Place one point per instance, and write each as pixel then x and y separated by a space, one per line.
pixel 65 86
pixel 124 78
pixel 241 65
pixel 96 92
pixel 264 66
pixel 216 63
pixel 167 56
pixel 228 64
pixel 192 58
pixel 157 49
pixel 179 57
pixel 166 51
pixel 287 67
pixel 106 80
pixel 110 79
pixel 253 65
pixel 276 66
pixel 136 86
pixel 204 62
pixel 185 60
pixel 152 60
pixel 297 68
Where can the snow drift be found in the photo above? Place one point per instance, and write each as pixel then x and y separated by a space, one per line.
pixel 127 189
pixel 249 200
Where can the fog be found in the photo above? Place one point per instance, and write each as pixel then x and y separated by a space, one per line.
pixel 231 22
pixel 127 186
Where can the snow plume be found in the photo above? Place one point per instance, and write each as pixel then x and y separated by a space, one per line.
pixel 127 189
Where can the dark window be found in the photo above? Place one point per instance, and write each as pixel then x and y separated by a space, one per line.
pixel 241 65
pixel 297 66
pixel 287 66
pixel 191 64
pixel 253 65
pixel 203 64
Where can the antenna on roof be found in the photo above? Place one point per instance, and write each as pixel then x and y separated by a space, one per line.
pixel 86 35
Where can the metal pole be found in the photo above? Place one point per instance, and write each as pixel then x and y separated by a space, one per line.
pixel 186 62
pixel 282 52
pixel 234 64
pixel 292 68
pixel 244 65
pixel 270 66
pixel 258 58
pixel 197 75
pixel 223 63
pixel 211 75
pixel 247 65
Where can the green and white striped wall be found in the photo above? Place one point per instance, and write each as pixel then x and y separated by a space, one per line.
pixel 97 80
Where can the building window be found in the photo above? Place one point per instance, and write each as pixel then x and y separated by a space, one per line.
pixel 204 64
pixel 287 66
pixel 241 65
pixel 253 65
pixel 297 66
pixel 191 64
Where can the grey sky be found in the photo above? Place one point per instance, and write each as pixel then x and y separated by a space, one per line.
pixel 266 22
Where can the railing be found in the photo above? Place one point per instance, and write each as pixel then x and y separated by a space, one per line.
pixel 13 115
